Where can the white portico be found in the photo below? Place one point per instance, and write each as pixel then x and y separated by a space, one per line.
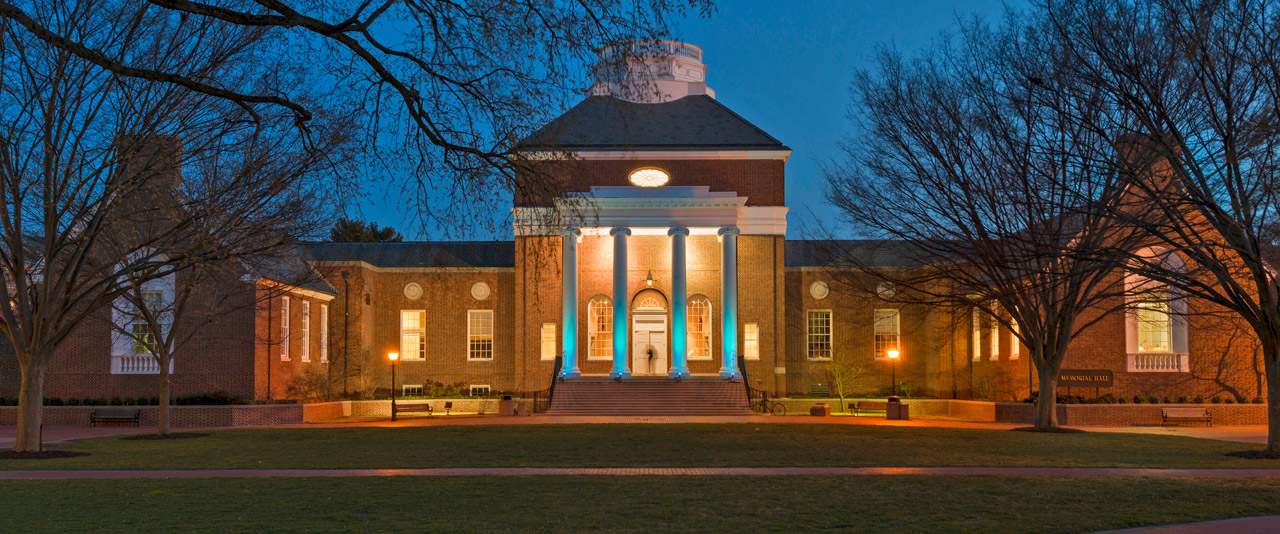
pixel 675 212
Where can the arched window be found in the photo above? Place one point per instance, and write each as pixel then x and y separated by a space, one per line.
pixel 141 319
pixel 600 329
pixel 699 328
pixel 1155 319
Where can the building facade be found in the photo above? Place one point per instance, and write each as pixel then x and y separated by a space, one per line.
pixel 649 239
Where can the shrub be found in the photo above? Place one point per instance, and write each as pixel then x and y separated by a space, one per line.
pixel 1139 399
pixel 1153 399
pixel 216 398
pixel 1259 400
pixel 52 401
pixel 1216 400
pixel 1182 399
pixel 1199 399
pixel 1229 400
pixel 1167 399
pixel 1123 400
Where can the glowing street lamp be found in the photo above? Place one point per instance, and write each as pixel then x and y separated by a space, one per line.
pixel 393 356
pixel 893 357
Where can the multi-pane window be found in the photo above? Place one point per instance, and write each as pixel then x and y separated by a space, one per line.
pixel 479 334
pixel 284 328
pixel 886 332
pixel 324 332
pixel 413 334
pixel 1155 324
pixel 751 341
pixel 1015 346
pixel 143 336
pixel 306 331
pixel 548 341
pixel 976 348
pixel 479 391
pixel 600 329
pixel 995 339
pixel 411 390
pixel 818 334
pixel 699 316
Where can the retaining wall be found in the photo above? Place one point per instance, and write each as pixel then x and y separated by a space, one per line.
pixel 1068 414
pixel 247 414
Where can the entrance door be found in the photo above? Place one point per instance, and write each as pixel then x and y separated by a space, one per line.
pixel 649 350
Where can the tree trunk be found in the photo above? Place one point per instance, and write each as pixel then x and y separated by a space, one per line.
pixel 164 398
pixel 1047 402
pixel 31 406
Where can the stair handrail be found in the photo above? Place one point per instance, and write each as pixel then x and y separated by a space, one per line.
pixel 755 397
pixel 539 404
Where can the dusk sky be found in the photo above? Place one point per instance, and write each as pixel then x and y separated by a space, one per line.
pixel 786 66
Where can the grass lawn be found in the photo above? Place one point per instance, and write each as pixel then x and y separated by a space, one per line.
pixel 621 504
pixel 643 445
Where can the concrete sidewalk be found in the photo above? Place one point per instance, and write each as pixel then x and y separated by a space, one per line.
pixel 646 471
pixel 1245 525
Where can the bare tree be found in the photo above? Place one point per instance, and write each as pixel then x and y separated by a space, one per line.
pixel 445 88
pixel 93 200
pixel 969 164
pixel 1198 84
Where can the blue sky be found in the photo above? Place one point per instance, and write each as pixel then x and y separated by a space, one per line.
pixel 786 66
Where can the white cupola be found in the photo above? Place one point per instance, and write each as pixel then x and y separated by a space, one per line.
pixel 651 72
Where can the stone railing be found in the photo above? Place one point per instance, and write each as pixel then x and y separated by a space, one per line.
pixel 1158 362
pixel 136 364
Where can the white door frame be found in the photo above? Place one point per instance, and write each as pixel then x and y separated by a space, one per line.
pixel 649 318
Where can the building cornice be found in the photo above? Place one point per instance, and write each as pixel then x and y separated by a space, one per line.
pixel 613 155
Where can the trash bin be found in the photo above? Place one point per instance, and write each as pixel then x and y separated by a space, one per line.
pixel 522 408
pixel 894 409
pixel 506 406
pixel 820 409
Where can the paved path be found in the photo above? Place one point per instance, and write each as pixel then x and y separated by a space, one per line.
pixel 1244 525
pixel 648 471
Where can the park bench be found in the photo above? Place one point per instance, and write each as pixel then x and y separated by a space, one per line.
pixel 414 407
pixel 867 407
pixel 115 415
pixel 1186 415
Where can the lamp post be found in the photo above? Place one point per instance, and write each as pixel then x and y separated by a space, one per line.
pixel 893 357
pixel 393 356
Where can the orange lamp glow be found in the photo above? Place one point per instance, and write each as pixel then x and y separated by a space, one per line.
pixel 393 356
pixel 893 354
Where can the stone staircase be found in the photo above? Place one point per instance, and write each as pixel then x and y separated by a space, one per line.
pixel 649 395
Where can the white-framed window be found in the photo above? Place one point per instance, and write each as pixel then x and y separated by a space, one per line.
pixel 1015 345
pixel 818 335
pixel 413 334
pixel 995 339
pixel 699 317
pixel 976 342
pixel 324 333
pixel 886 332
pixel 306 331
pixel 479 390
pixel 600 328
pixel 1155 321
pixel 144 338
pixel 411 390
pixel 284 328
pixel 751 341
pixel 548 341
pixel 480 335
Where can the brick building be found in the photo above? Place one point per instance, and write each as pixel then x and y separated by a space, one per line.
pixel 656 248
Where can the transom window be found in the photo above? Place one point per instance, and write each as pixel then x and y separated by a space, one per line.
pixel 649 177
pixel 413 334
pixel 818 334
pixel 1155 324
pixel 699 311
pixel 886 332
pixel 600 329
pixel 480 334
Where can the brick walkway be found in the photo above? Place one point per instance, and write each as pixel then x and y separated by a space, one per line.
pixel 1244 525
pixel 648 471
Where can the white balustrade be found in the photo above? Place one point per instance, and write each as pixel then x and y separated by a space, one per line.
pixel 1158 362
pixel 136 364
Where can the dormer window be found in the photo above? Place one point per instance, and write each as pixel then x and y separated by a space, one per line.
pixel 649 177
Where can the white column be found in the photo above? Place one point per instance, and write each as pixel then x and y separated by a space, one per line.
pixel 729 299
pixel 569 302
pixel 679 307
pixel 620 301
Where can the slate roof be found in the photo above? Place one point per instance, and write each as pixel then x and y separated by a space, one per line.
pixel 696 122
pixel 289 267
pixel 419 253
pixel 835 252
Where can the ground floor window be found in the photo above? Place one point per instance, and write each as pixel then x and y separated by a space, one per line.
pixel 480 334
pixel 324 332
pixel 976 342
pixel 600 329
pixel 413 334
pixel 1155 323
pixel 995 339
pixel 751 341
pixel 886 332
pixel 699 315
pixel 284 328
pixel 479 390
pixel 818 334
pixel 408 390
pixel 548 341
